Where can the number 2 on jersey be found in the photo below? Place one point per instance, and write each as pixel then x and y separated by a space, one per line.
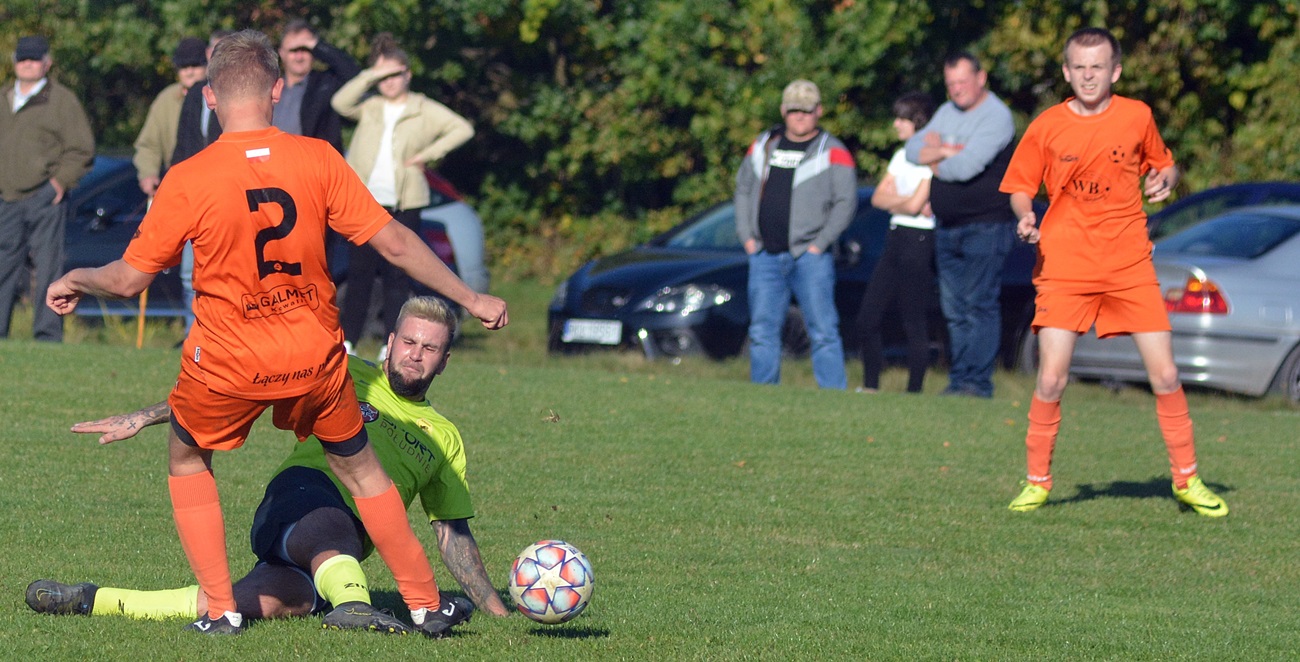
pixel 258 197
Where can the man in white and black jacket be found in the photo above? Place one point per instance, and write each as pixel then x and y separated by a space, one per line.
pixel 795 193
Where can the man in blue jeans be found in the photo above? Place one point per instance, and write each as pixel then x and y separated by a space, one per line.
pixel 795 193
pixel 968 143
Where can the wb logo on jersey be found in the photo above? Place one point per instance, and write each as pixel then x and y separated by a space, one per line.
pixel 1087 187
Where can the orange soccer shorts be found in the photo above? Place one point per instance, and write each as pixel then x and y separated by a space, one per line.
pixel 1138 309
pixel 217 421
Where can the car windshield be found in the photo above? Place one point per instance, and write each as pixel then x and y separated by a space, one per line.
pixel 1244 235
pixel 714 230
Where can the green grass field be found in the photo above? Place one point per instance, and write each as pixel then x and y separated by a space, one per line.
pixel 723 521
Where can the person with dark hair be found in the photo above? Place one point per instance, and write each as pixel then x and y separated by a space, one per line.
pixel 306 533
pixel 398 132
pixel 156 144
pixel 304 106
pixel 904 276
pixel 967 144
pixel 796 192
pixel 1098 153
pixel 47 147
pixel 257 204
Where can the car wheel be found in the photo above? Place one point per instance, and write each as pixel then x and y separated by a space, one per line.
pixel 1288 378
pixel 795 343
pixel 1027 353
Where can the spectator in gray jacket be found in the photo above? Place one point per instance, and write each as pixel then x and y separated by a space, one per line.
pixel 46 139
pixel 795 193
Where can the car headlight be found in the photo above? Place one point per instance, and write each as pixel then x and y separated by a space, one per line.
pixel 561 293
pixel 685 299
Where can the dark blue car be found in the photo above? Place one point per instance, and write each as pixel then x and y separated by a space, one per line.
pixel 685 292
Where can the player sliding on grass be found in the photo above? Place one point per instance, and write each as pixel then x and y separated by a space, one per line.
pixel 1094 255
pixel 306 534
pixel 256 204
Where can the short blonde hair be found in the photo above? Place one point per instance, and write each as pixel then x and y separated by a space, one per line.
pixel 430 309
pixel 243 64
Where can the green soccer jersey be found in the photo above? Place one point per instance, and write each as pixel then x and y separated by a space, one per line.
pixel 420 449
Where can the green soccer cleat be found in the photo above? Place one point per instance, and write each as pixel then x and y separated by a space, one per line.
pixel 1031 497
pixel 1200 498
pixel 50 597
pixel 361 616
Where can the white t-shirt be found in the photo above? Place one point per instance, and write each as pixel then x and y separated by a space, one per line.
pixel 383 177
pixel 908 176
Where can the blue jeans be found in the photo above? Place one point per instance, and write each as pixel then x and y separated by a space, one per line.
pixel 811 278
pixel 970 260
pixel 187 284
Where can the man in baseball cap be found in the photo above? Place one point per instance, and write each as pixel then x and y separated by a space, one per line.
pixel 157 139
pixel 795 193
pixel 43 122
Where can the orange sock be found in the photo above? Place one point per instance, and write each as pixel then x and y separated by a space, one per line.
pixel 197 509
pixel 1044 423
pixel 385 520
pixel 1176 427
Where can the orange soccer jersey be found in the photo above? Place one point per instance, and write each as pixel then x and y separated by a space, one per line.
pixel 1094 236
pixel 256 205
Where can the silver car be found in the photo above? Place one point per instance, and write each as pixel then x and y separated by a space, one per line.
pixel 1232 288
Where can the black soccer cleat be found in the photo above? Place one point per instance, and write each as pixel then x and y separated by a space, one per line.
pixel 357 615
pixel 438 623
pixel 229 623
pixel 50 597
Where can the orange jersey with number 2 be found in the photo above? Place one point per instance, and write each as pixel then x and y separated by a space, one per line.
pixel 256 206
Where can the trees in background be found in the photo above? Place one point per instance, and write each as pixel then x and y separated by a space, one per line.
pixel 600 121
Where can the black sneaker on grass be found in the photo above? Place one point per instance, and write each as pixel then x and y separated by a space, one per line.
pixel 358 615
pixel 50 597
pixel 437 623
pixel 229 623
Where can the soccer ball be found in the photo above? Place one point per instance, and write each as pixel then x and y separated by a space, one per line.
pixel 551 581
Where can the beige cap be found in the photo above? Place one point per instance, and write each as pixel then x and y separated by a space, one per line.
pixel 801 95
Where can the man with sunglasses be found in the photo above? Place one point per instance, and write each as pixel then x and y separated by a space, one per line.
pixel 48 146
pixel 795 193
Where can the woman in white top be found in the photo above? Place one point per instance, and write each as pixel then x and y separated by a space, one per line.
pixel 398 132
pixel 904 276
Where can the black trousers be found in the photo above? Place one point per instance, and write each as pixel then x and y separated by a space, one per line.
pixel 904 280
pixel 364 266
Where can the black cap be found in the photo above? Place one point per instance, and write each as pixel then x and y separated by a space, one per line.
pixel 191 52
pixel 31 48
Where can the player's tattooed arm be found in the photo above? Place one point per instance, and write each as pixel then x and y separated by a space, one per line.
pixel 460 554
pixel 125 426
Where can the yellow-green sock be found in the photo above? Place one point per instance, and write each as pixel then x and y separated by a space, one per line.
pixel 171 603
pixel 340 579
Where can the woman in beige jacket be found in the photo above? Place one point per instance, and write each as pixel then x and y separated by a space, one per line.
pixel 398 132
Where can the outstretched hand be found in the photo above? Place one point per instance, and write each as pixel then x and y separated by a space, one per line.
pixel 113 428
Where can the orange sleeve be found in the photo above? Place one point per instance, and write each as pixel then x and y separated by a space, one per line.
pixel 1156 153
pixel 353 211
pixel 1025 172
pixel 166 226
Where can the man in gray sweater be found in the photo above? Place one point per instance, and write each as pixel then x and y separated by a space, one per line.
pixel 47 146
pixel 795 193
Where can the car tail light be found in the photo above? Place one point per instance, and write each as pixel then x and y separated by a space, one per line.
pixel 1197 296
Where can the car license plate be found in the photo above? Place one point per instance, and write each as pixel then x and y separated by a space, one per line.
pixel 601 332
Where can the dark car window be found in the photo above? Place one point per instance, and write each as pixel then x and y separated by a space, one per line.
pixel 1246 235
pixel 1193 213
pixel 715 230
